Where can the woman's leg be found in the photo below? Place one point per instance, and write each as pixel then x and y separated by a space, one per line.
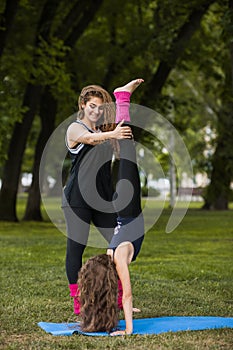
pixel 128 170
pixel 74 253
pixel 78 226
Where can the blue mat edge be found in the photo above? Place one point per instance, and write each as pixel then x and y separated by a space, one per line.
pixel 68 329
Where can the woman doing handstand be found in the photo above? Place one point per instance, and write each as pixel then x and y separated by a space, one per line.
pixel 98 276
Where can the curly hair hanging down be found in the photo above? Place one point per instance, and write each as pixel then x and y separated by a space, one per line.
pixel 98 294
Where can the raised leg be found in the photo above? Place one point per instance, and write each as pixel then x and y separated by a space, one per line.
pixel 122 95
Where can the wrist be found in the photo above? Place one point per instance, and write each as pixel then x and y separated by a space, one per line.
pixel 111 134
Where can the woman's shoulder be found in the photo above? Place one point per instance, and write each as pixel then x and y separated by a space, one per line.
pixel 77 125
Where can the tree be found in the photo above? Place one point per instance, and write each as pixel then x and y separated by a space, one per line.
pixel 11 172
pixel 79 17
pixel 218 192
pixel 79 46
pixel 174 52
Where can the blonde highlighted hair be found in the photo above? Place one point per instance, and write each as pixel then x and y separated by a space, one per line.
pixel 107 121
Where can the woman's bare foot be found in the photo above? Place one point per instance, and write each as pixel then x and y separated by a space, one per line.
pixel 131 86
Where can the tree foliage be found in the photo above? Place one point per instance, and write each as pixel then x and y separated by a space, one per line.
pixel 51 49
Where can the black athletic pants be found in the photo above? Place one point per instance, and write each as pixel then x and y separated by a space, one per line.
pixel 78 226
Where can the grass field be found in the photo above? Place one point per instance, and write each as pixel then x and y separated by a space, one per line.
pixel 186 272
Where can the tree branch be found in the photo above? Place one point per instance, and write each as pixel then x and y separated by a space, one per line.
pixel 77 20
pixel 154 87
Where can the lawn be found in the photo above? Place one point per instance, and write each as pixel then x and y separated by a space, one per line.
pixel 186 272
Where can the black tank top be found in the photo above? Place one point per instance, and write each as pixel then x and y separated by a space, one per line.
pixel 90 171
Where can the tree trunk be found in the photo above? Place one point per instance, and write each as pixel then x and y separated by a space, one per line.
pixel 77 20
pixel 87 14
pixel 48 109
pixel 12 168
pixel 6 21
pixel 218 192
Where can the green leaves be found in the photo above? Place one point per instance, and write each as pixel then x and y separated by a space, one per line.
pixel 49 66
pixel 124 39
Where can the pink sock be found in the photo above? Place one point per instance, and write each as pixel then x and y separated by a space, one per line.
pixel 73 289
pixel 120 294
pixel 76 304
pixel 122 106
pixel 74 293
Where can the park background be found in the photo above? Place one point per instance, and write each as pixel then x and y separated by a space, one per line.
pixel 49 50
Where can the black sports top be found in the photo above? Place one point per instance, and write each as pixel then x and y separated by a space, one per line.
pixel 90 182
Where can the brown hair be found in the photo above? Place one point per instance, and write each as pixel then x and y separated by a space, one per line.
pixel 107 121
pixel 98 286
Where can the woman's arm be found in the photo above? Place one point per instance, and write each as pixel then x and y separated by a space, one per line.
pixel 77 134
pixel 122 258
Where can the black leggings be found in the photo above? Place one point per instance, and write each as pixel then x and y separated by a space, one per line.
pixel 130 222
pixel 78 226
pixel 128 170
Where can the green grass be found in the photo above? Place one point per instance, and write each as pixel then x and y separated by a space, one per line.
pixel 186 272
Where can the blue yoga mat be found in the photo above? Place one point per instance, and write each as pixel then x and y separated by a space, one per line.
pixel 147 325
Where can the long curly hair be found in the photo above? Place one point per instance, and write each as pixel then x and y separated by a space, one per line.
pixel 98 286
pixel 107 121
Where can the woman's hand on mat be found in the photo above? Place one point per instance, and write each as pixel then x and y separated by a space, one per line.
pixel 136 309
pixel 113 334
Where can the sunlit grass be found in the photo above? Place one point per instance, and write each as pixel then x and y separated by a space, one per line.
pixel 186 272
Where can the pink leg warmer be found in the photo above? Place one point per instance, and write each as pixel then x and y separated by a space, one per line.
pixel 74 293
pixel 120 293
pixel 122 106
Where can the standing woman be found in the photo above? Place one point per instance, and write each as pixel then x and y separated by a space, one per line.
pixel 98 276
pixel 88 193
